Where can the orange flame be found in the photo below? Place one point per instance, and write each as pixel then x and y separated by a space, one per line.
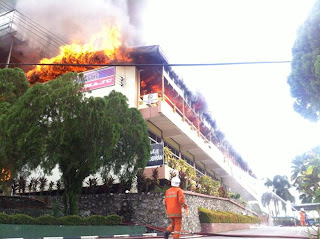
pixel 5 175
pixel 103 48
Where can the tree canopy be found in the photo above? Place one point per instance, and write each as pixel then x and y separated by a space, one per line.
pixel 13 84
pixel 304 79
pixel 55 124
pixel 306 175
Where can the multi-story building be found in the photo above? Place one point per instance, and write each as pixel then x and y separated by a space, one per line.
pixel 173 118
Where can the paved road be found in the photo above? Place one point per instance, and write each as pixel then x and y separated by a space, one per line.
pixel 263 232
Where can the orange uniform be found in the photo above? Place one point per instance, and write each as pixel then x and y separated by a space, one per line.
pixel 174 201
pixel 302 218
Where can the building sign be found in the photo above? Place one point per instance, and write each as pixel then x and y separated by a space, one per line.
pixel 156 155
pixel 150 98
pixel 99 78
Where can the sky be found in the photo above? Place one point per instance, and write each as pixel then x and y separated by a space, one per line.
pixel 251 103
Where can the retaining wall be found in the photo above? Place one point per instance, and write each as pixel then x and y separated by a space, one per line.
pixel 144 208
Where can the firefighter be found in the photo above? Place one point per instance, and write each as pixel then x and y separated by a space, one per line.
pixel 302 217
pixel 174 201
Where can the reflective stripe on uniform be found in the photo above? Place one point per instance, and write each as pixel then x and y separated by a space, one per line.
pixel 176 232
pixel 171 196
pixel 174 215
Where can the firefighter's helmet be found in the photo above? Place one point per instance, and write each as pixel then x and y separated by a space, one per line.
pixel 175 182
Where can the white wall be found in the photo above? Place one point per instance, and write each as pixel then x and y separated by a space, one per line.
pixel 130 88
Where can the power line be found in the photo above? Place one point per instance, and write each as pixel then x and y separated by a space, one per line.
pixel 149 64
pixel 29 21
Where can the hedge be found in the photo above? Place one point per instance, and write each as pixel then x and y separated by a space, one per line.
pixel 3 218
pixel 21 219
pixel 211 216
pixel 66 220
pixel 47 220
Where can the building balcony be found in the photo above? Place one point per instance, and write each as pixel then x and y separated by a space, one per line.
pixel 174 124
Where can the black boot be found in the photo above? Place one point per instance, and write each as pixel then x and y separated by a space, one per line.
pixel 166 234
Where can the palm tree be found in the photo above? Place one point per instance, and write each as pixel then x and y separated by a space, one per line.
pixel 43 183
pixel 266 200
pixel 280 186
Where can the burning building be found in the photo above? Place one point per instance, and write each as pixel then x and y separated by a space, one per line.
pixel 175 117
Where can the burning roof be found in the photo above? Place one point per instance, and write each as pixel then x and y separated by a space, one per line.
pixel 115 53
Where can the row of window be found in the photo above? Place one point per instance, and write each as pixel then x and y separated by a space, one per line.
pixel 156 139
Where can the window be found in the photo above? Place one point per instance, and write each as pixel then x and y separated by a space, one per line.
pixel 154 138
pixel 173 150
pixel 185 158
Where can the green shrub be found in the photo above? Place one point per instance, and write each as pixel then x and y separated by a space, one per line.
pixel 47 220
pixel 66 220
pixel 96 220
pixel 114 220
pixel 210 216
pixel 21 219
pixel 71 220
pixel 3 218
pixel 204 215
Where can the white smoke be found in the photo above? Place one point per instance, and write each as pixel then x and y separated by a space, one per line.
pixel 77 20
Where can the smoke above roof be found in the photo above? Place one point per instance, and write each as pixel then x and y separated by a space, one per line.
pixel 77 20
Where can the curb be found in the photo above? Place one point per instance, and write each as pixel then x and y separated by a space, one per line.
pixel 97 237
pixel 131 235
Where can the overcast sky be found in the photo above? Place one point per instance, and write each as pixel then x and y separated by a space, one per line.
pixel 251 103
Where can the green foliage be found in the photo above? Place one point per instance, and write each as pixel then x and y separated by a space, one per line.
pixel 209 186
pixel 211 216
pixel 3 218
pixel 96 220
pixel 235 195
pixel 54 124
pixel 304 79
pixel 143 183
pixel 46 220
pixel 21 219
pixel 179 164
pixel 56 211
pixel 108 183
pixel 71 220
pixel 114 219
pixel 280 186
pixel 223 192
pixel 306 175
pixel 13 84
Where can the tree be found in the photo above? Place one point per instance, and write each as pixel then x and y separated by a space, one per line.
pixel 304 79
pixel 55 124
pixel 266 199
pixel 280 186
pixel 13 84
pixel 306 175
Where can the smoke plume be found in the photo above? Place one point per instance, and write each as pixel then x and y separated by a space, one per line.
pixel 77 20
